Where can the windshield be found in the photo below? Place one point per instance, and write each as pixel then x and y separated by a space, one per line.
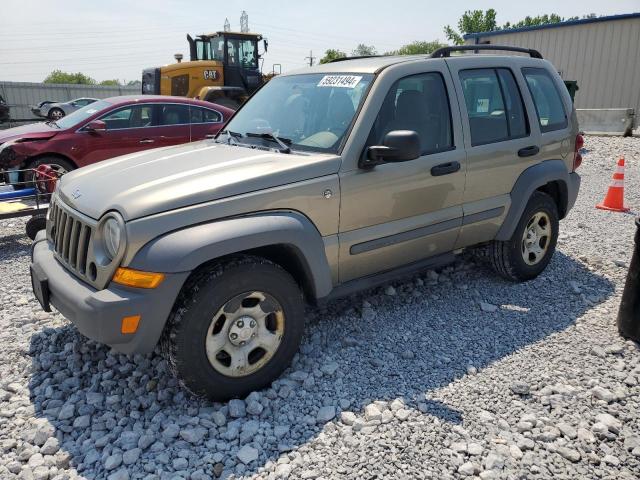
pixel 82 114
pixel 313 111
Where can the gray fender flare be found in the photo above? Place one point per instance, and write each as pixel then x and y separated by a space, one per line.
pixel 531 179
pixel 185 249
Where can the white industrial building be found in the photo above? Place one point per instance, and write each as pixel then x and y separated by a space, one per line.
pixel 602 54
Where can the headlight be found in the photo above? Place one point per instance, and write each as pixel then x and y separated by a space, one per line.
pixel 111 237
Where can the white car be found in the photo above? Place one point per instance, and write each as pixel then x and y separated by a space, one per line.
pixel 57 110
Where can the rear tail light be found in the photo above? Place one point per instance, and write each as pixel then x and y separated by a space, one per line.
pixel 577 157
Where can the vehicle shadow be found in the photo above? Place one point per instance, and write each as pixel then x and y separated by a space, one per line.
pixel 370 347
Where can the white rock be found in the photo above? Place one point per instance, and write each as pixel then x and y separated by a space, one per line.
pixel 372 412
pixel 348 418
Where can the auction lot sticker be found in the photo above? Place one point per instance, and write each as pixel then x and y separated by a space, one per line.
pixel 344 81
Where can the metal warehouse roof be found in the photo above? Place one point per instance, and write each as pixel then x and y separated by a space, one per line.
pixel 623 16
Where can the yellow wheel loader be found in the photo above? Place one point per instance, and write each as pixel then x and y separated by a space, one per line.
pixel 223 68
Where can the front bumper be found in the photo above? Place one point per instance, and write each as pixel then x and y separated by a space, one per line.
pixel 98 313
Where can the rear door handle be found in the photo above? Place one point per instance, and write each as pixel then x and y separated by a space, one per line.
pixel 529 151
pixel 445 169
pixel 147 140
pixel 210 135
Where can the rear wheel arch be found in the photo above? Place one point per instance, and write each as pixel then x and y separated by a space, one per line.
pixel 550 177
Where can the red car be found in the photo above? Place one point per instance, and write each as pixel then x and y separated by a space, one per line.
pixel 108 128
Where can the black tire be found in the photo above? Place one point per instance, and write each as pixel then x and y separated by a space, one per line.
pixel 202 297
pixel 55 114
pixel 35 224
pixel 507 257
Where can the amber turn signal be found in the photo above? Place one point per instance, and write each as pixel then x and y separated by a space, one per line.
pixel 130 324
pixel 137 278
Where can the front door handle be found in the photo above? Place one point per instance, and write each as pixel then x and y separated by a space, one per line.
pixel 445 168
pixel 529 151
pixel 210 135
pixel 147 140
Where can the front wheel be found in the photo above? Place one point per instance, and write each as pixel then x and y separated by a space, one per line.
pixel 55 114
pixel 234 328
pixel 529 250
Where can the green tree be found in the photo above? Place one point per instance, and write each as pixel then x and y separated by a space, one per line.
pixel 472 21
pixel 134 83
pixel 535 21
pixel 417 48
pixel 332 54
pixel 110 83
pixel 58 76
pixel 363 50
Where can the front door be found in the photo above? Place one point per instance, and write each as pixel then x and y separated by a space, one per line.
pixel 399 213
pixel 129 129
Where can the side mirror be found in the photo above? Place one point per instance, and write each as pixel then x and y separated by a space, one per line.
pixel 397 146
pixel 96 126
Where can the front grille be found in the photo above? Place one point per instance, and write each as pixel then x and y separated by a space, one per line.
pixel 71 239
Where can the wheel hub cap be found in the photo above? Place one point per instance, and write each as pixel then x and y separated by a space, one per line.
pixel 243 330
pixel 536 238
pixel 245 334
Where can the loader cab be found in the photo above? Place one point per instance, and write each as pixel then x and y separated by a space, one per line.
pixel 238 53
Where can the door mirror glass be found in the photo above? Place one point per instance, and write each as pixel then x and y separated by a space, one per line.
pixel 397 146
pixel 96 126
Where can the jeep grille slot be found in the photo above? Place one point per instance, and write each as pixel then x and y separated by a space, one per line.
pixel 71 238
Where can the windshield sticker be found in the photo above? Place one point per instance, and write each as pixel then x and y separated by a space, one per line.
pixel 343 81
pixel 482 105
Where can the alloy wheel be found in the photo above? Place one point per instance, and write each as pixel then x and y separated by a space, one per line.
pixel 536 238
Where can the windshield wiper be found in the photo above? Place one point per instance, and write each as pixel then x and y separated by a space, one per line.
pixel 51 122
pixel 283 142
pixel 231 136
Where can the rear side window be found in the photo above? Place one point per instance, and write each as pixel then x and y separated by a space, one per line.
pixel 174 114
pixel 546 98
pixel 494 105
pixel 419 103
pixel 204 115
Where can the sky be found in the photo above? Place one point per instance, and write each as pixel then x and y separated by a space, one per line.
pixel 116 39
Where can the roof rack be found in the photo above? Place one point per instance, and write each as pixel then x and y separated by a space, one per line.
pixel 446 51
pixel 342 59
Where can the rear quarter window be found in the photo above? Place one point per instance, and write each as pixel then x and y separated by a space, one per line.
pixel 546 98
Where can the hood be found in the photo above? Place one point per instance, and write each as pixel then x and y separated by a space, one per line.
pixel 154 181
pixel 32 131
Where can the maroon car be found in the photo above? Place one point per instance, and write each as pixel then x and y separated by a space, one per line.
pixel 108 128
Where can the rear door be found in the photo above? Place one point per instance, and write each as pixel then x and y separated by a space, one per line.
pixel 499 140
pixel 173 124
pixel 205 122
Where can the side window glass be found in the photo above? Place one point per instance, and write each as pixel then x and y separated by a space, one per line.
pixel 516 116
pixel 419 103
pixel 546 98
pixel 137 116
pixel 485 106
pixel 204 115
pixel 174 114
pixel 494 105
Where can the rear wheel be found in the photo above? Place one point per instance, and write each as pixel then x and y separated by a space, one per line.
pixel 55 114
pixel 234 328
pixel 529 250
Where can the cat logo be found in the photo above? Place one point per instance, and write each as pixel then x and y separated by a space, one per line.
pixel 210 74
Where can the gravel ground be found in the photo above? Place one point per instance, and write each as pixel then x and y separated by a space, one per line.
pixel 451 374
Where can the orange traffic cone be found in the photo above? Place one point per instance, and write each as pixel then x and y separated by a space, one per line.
pixel 614 201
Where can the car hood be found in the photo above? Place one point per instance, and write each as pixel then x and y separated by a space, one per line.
pixel 32 131
pixel 154 181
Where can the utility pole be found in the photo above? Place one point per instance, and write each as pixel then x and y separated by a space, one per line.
pixel 227 25
pixel 311 58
